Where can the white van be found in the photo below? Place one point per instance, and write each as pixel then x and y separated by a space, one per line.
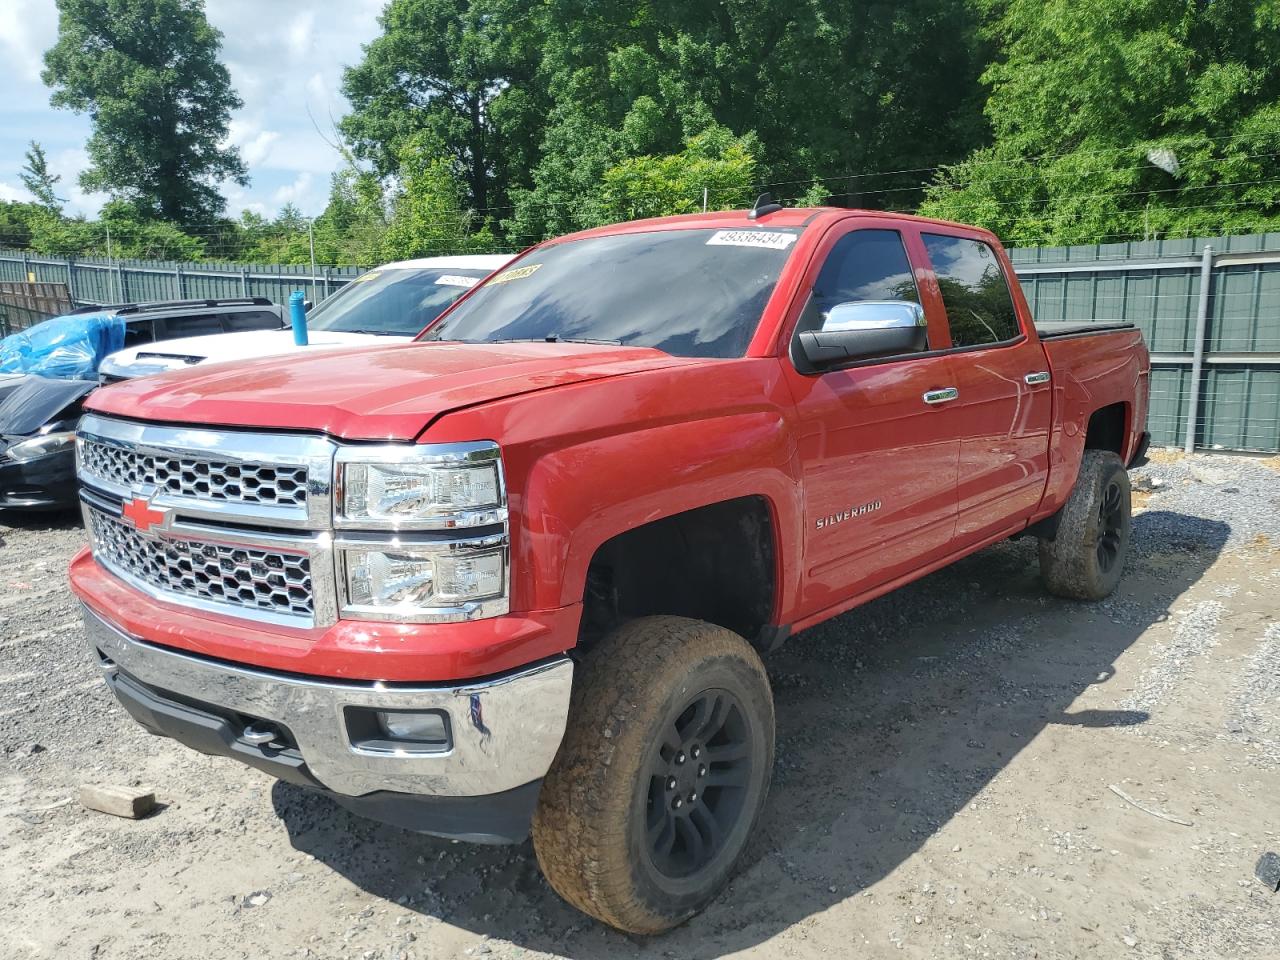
pixel 392 303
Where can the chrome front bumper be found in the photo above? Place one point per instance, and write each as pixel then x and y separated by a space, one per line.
pixel 505 731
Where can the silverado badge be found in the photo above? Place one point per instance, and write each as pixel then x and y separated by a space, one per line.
pixel 848 514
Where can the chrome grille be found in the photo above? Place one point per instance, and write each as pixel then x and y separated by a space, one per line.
pixel 200 477
pixel 245 577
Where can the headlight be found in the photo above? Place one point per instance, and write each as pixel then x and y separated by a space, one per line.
pixel 425 582
pixel 42 446
pixel 432 486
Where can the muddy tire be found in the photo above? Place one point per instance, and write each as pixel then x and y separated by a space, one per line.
pixel 1086 558
pixel 661 776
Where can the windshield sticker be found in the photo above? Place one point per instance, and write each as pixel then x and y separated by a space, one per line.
pixel 453 280
pixel 371 275
pixel 518 273
pixel 752 238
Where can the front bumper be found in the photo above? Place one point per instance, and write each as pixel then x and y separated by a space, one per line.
pixel 504 730
pixel 45 483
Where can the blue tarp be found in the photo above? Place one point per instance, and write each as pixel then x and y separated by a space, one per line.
pixel 64 348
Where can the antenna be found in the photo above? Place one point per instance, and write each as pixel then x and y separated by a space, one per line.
pixel 764 205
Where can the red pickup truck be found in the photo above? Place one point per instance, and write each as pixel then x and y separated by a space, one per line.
pixel 519 576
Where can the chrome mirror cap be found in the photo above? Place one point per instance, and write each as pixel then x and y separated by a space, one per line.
pixel 873 315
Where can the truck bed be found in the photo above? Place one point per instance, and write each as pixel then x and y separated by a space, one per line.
pixel 1053 329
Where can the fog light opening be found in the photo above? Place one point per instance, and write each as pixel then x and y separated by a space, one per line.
pixel 429 727
pixel 399 732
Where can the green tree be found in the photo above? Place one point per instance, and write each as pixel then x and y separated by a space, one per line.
pixel 460 72
pixel 15 222
pixel 1125 119
pixel 35 176
pixel 714 161
pixel 147 72
pixel 429 214
pixel 831 91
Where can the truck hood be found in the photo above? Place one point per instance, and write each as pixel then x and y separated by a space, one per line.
pixel 152 358
pixel 371 393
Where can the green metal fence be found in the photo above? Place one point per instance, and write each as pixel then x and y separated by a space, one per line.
pixel 1210 310
pixel 1209 307
pixel 98 280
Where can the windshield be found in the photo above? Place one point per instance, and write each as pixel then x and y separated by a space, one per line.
pixel 397 302
pixel 690 293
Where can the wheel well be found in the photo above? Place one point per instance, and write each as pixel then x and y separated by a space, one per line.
pixel 715 563
pixel 1107 429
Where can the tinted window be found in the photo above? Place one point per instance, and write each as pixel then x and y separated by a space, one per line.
pixel 197 326
pixel 863 265
pixel 691 293
pixel 252 320
pixel 979 307
pixel 397 302
pixel 137 332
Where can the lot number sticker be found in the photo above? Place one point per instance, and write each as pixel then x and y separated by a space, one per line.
pixel 752 238
pixel 453 280
pixel 518 273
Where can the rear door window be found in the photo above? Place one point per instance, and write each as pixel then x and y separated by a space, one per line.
pixel 194 326
pixel 138 332
pixel 251 320
pixel 974 291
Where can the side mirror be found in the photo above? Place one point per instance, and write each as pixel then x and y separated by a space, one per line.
pixel 865 330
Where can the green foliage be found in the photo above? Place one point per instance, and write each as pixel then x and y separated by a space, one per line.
pixel 131 237
pixel 829 90
pixel 429 216
pixel 1091 98
pixel 15 222
pixel 491 124
pixel 35 176
pixel 147 72
pixel 723 165
pixel 454 74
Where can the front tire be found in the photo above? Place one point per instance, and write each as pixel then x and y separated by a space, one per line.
pixel 1086 558
pixel 661 776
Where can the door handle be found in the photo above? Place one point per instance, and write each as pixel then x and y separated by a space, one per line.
pixel 945 395
pixel 1034 379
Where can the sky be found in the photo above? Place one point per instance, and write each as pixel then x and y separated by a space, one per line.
pixel 286 59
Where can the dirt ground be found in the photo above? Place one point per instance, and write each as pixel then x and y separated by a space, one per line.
pixel 943 788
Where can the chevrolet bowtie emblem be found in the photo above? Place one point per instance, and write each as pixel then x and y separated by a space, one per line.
pixel 143 516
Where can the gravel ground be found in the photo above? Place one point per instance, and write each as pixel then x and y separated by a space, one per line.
pixel 942 789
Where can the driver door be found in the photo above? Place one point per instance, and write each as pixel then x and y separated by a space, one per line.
pixel 878 447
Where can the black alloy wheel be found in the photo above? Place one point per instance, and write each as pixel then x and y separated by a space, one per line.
pixel 1110 526
pixel 698 780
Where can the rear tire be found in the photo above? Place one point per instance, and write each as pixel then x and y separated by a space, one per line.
pixel 662 774
pixel 1085 560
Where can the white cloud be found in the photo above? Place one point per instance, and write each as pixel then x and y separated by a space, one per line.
pixel 253 142
pixel 286 62
pixel 11 194
pixel 295 192
pixel 27 28
pixel 299 36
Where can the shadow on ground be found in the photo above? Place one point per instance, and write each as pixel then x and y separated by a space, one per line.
pixel 891 719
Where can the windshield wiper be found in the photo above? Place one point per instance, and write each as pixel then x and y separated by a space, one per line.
pixel 554 338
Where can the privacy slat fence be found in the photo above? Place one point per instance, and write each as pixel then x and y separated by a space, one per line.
pixel 1215 358
pixel 96 280
pixel 1222 387
pixel 23 303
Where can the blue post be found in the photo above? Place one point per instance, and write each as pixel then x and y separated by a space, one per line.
pixel 298 315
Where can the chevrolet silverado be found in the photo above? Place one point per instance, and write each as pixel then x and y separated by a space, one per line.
pixel 518 576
